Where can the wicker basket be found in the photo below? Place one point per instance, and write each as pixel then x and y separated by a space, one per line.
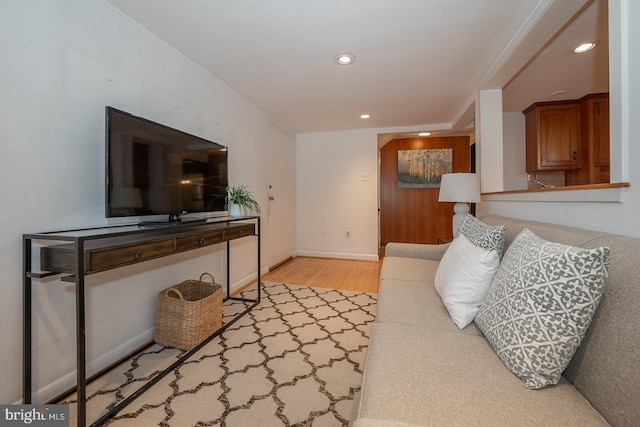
pixel 188 313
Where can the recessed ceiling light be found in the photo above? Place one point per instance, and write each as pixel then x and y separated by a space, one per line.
pixel 344 58
pixel 584 47
pixel 424 134
pixel 364 116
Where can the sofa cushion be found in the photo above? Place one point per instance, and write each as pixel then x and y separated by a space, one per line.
pixel 424 376
pixel 600 369
pixel 553 232
pixel 463 278
pixel 417 304
pixel 409 269
pixel 489 237
pixel 415 250
pixel 540 305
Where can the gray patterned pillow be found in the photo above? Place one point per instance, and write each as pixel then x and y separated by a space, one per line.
pixel 489 237
pixel 540 304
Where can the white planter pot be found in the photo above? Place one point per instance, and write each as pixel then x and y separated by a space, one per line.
pixel 236 210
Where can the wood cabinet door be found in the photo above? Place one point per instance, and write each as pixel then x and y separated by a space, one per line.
pixel 553 136
pixel 601 132
pixel 559 136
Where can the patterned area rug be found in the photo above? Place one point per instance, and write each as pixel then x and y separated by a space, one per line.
pixel 294 360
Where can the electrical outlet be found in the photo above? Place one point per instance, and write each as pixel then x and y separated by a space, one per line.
pixel 365 176
pixel 347 234
pixel 323 233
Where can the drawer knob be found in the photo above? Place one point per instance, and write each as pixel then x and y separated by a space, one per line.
pixel 138 256
pixel 202 241
pixel 241 233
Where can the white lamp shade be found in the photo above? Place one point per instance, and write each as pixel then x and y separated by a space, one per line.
pixel 460 187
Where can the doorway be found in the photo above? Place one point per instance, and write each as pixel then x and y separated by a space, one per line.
pixel 414 215
pixel 280 176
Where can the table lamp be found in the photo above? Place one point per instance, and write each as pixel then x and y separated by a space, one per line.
pixel 462 188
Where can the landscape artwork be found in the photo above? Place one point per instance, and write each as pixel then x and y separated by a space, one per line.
pixel 423 168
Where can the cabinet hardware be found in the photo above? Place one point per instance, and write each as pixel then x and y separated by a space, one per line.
pixel 138 256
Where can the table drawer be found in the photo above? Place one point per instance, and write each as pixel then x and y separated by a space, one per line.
pixel 117 257
pixel 199 240
pixel 58 258
pixel 240 231
pixel 106 254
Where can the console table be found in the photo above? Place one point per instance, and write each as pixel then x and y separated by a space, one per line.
pixel 81 252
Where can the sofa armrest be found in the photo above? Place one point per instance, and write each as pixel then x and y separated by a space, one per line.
pixel 416 250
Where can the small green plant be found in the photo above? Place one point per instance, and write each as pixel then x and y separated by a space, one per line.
pixel 240 195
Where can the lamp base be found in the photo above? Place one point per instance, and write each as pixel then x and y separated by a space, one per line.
pixel 460 209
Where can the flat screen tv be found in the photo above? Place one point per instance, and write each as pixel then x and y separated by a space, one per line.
pixel 152 169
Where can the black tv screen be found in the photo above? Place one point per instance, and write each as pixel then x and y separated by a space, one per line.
pixel 152 169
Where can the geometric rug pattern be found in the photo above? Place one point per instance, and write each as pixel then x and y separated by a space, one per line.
pixel 295 360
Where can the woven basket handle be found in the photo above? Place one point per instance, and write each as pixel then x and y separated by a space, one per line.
pixel 213 280
pixel 176 291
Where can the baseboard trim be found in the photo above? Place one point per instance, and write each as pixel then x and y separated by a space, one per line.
pixel 339 255
pixel 68 379
pixel 278 264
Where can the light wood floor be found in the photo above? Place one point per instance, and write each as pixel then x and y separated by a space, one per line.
pixel 349 275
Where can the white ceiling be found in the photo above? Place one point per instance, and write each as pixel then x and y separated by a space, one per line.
pixel 418 62
pixel 557 68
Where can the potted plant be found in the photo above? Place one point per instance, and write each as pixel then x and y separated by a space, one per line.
pixel 240 201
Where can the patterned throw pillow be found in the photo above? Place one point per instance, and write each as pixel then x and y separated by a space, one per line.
pixel 489 237
pixel 540 304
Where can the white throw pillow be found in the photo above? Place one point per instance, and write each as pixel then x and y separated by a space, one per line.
pixel 463 278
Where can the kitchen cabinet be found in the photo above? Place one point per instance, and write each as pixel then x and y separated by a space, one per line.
pixel 553 136
pixel 595 161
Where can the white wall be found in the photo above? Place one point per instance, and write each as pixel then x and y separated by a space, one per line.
pixel 63 61
pixel 621 218
pixel 514 151
pixel 332 197
pixel 489 126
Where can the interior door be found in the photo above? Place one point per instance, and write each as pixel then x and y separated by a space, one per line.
pixel 414 215
pixel 280 177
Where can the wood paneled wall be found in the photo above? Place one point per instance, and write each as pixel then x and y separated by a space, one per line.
pixel 414 215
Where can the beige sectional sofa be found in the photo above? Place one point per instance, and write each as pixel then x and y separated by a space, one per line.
pixel 421 369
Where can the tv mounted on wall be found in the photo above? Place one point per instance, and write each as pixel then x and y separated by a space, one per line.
pixel 152 169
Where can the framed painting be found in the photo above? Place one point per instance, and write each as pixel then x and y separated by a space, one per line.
pixel 423 168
